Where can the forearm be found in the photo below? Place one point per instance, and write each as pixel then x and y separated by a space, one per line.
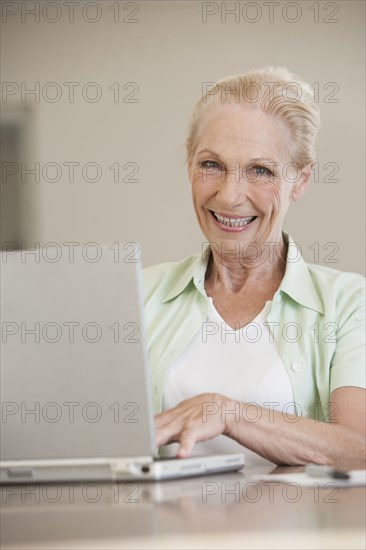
pixel 290 439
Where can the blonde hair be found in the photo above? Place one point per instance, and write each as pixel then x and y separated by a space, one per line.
pixel 276 91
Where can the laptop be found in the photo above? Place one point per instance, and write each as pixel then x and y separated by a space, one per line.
pixel 76 398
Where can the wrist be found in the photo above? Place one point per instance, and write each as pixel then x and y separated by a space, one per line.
pixel 230 415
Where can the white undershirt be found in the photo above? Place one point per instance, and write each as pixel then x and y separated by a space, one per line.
pixel 244 365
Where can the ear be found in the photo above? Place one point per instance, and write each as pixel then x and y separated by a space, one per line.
pixel 302 185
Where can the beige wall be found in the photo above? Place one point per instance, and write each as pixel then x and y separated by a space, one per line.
pixel 169 52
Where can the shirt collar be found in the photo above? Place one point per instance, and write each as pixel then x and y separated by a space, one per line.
pixel 297 282
pixel 193 272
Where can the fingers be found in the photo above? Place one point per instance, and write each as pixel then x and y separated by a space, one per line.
pixel 181 413
pixel 167 427
pixel 176 429
pixel 187 442
pixel 184 424
pixel 163 418
pixel 168 432
pixel 186 437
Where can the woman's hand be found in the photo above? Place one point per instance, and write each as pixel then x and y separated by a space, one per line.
pixel 279 437
pixel 191 421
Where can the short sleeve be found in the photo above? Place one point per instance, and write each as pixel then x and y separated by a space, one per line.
pixel 348 366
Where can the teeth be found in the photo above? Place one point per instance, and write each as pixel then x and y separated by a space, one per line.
pixel 233 222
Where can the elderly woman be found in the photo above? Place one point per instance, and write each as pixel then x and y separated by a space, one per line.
pixel 251 349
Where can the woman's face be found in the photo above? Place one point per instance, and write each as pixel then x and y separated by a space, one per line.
pixel 242 176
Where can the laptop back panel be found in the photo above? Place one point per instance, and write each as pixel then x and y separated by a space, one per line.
pixel 74 380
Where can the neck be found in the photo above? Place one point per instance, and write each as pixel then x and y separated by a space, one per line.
pixel 238 268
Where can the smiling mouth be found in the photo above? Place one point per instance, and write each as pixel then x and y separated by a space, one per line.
pixel 233 222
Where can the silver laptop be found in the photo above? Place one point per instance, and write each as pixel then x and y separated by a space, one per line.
pixel 76 400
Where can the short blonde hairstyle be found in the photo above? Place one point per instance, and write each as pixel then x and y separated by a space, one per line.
pixel 276 91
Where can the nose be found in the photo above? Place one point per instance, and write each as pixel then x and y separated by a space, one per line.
pixel 232 189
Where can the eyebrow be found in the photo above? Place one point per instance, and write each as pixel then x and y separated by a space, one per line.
pixel 257 159
pixel 208 151
pixel 262 159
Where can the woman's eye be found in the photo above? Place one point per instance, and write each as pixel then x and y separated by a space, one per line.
pixel 261 171
pixel 259 174
pixel 210 165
